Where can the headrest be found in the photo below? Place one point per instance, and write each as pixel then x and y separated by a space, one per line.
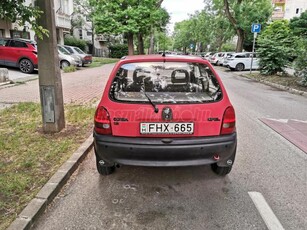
pixel 180 76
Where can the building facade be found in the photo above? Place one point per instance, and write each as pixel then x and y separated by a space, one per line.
pixel 63 11
pixel 287 9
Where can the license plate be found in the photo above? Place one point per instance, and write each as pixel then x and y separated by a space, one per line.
pixel 166 128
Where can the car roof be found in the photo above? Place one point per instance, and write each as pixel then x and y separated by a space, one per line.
pixel 160 57
pixel 24 40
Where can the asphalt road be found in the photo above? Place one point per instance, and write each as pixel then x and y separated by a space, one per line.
pixel 193 197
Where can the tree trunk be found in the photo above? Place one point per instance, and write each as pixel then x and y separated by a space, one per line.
pixel 234 23
pixel 130 44
pixel 93 41
pixel 240 41
pixel 152 42
pixel 140 43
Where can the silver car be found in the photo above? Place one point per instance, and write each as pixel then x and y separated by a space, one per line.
pixel 86 58
pixel 66 59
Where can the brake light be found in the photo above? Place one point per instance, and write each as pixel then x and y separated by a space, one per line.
pixel 102 121
pixel 88 58
pixel 229 121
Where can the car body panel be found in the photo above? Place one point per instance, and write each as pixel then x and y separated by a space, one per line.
pixel 244 58
pixel 64 55
pixel 86 58
pixel 14 50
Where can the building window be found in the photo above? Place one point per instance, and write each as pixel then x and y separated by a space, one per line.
pixel 80 34
pixel 297 10
pixel 89 33
pixel 1 33
pixel 19 34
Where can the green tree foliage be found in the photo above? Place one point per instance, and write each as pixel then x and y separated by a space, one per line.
pixel 275 47
pixel 118 51
pixel 72 41
pixel 298 26
pixel 128 17
pixel 242 14
pixel 17 11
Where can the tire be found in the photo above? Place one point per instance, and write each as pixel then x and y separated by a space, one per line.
pixel 64 64
pixel 240 67
pixel 104 170
pixel 221 171
pixel 26 66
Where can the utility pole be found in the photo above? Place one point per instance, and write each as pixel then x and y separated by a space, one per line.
pixel 50 83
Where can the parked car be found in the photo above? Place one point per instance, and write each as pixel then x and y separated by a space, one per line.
pixel 85 58
pixel 242 61
pixel 208 55
pixel 164 110
pixel 20 53
pixel 216 59
pixel 224 58
pixel 66 59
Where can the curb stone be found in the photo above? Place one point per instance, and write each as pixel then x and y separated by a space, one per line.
pixel 278 86
pixel 49 191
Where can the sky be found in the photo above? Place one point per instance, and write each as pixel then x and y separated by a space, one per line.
pixel 179 10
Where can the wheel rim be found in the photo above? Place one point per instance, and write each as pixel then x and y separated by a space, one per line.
pixel 25 66
pixel 240 67
pixel 65 64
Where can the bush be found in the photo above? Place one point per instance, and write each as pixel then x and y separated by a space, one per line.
pixel 118 51
pixel 300 64
pixel 72 41
pixel 275 47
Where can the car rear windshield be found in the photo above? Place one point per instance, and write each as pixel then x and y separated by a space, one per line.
pixel 165 82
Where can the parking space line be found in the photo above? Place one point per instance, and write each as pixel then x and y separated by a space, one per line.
pixel 265 211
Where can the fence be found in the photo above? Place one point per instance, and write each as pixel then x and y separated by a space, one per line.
pixel 101 52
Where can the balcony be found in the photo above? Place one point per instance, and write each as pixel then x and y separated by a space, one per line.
pixel 278 1
pixel 62 21
pixel 101 38
pixel 278 15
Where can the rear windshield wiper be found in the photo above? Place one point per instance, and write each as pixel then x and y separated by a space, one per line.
pixel 156 110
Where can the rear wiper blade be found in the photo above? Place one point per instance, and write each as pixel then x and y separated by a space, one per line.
pixel 156 110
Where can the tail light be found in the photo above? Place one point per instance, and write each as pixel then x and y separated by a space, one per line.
pixel 229 121
pixel 88 58
pixel 102 121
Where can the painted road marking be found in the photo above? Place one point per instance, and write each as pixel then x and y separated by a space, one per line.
pixel 265 211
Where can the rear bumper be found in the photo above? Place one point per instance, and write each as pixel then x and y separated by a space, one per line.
pixel 86 61
pixel 165 151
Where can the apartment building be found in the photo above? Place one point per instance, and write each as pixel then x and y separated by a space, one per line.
pixel 63 11
pixel 287 9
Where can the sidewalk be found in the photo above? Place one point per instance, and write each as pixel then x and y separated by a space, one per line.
pixel 78 87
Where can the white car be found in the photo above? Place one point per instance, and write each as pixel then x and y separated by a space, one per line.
pixel 66 59
pixel 224 58
pixel 241 61
pixel 218 58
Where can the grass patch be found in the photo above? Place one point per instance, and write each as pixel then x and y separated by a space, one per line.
pixel 28 157
pixel 99 61
pixel 69 69
pixel 285 80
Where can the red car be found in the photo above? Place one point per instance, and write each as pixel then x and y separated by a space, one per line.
pixel 21 53
pixel 160 110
